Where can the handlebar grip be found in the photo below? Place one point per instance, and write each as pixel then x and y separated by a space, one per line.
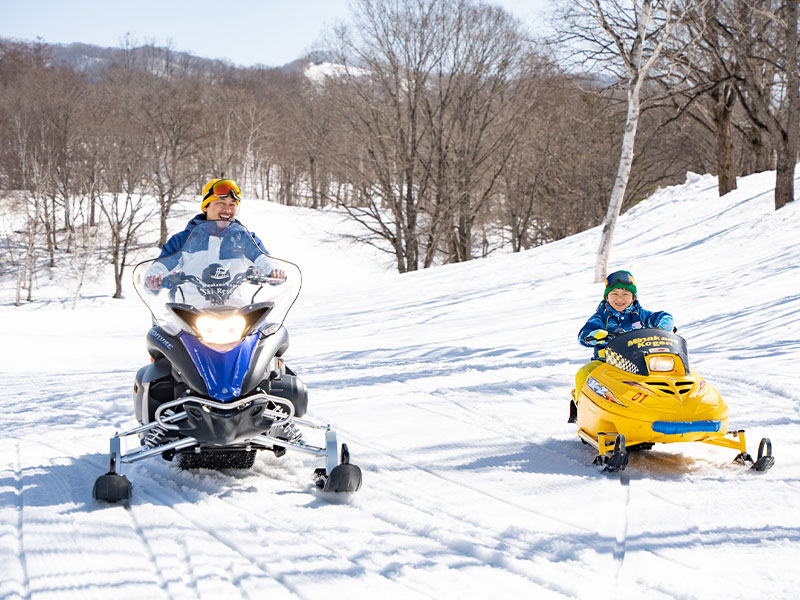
pixel 173 279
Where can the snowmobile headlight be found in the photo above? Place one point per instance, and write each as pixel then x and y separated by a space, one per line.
pixel 220 331
pixel 660 363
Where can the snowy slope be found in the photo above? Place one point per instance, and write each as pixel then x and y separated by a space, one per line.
pixel 450 386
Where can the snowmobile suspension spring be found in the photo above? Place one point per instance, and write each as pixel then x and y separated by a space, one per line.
pixel 153 437
pixel 293 434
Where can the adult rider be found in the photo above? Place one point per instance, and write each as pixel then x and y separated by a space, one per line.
pixel 220 202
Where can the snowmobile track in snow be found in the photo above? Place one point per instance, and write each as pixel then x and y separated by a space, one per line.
pixel 164 495
pixel 20 507
pixel 168 499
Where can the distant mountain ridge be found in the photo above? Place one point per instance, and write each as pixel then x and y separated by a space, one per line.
pixel 91 59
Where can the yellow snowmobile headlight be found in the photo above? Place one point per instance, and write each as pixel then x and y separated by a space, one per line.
pixel 220 331
pixel 660 364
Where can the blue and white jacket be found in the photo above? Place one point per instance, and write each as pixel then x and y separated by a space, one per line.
pixel 633 317
pixel 176 242
pixel 227 247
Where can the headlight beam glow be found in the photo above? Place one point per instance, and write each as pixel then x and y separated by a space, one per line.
pixel 220 331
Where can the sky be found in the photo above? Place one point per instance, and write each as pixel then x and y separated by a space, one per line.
pixel 245 32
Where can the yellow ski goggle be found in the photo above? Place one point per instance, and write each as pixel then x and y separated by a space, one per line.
pixel 222 188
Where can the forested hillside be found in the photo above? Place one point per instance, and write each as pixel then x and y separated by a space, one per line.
pixel 447 135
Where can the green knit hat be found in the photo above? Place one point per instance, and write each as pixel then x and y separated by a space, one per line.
pixel 620 279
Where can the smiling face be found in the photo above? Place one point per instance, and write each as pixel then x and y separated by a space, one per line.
pixel 619 299
pixel 222 209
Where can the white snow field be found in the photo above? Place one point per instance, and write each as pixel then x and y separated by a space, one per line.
pixel 451 388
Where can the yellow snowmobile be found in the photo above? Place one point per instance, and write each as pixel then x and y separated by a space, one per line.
pixel 646 393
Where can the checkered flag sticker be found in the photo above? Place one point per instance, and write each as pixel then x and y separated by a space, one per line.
pixel 616 360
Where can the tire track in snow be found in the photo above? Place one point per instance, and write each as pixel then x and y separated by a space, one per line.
pixel 168 499
pixel 248 514
pixel 505 433
pixel 619 546
pixel 622 534
pixel 733 379
pixel 20 501
pixel 489 556
pixel 478 417
pixel 130 510
pixel 458 544
pixel 391 455
pixel 161 580
pixel 98 466
pixel 580 530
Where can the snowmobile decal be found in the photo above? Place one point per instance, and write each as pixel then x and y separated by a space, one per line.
pixel 160 339
pixel 681 427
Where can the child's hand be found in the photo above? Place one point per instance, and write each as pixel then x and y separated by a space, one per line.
pixel 666 323
pixel 598 336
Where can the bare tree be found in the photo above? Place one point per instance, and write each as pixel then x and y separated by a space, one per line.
pixel 699 79
pixel 124 173
pixel 84 259
pixel 435 97
pixel 492 74
pixel 443 135
pixel 388 58
pixel 763 36
pixel 20 251
pixel 168 113
pixel 310 120
pixel 625 37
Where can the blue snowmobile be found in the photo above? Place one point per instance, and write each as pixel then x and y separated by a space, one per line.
pixel 217 390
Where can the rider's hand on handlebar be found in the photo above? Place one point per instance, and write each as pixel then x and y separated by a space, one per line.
pixel 278 275
pixel 667 323
pixel 596 337
pixel 153 282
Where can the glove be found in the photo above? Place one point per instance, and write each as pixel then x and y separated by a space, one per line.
pixel 596 337
pixel 667 323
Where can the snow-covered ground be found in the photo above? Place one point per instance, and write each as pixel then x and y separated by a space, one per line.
pixel 450 386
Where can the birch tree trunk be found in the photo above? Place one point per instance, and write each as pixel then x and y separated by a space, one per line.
pixel 637 32
pixel 620 184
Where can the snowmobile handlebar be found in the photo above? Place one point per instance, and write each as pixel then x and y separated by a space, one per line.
pixel 217 292
pixel 612 334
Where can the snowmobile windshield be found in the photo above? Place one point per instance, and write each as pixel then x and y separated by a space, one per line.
pixel 631 351
pixel 219 269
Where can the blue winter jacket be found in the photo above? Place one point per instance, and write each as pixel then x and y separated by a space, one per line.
pixel 169 256
pixel 633 317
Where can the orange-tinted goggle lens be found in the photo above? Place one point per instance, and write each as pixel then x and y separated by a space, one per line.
pixel 223 188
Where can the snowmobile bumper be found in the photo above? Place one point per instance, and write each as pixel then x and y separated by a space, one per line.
pixel 336 476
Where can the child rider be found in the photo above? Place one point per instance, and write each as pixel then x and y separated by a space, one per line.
pixel 619 312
